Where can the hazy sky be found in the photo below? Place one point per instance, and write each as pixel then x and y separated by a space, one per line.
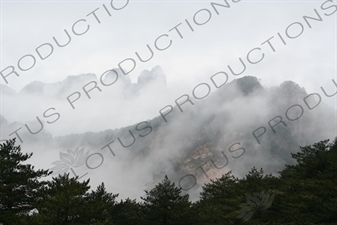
pixel 309 59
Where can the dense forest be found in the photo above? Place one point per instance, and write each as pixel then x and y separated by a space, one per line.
pixel 304 193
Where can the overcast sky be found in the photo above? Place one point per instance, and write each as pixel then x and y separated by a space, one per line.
pixel 309 59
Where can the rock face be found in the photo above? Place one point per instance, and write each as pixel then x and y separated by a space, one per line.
pixel 248 85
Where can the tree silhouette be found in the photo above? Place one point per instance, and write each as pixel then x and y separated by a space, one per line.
pixel 164 204
pixel 19 183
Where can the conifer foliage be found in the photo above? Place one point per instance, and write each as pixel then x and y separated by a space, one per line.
pixel 303 193
pixel 165 204
pixel 19 183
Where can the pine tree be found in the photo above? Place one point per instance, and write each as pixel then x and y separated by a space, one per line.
pixel 165 204
pixel 309 192
pixel 63 202
pixel 219 200
pixel 99 205
pixel 19 183
pixel 127 212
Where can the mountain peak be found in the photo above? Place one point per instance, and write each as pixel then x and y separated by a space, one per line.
pixel 35 87
pixel 248 84
pixel 4 89
pixel 155 75
pixel 3 120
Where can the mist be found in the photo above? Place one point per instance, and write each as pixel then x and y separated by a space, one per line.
pixel 135 133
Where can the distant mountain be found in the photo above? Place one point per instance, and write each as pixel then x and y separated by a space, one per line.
pixel 5 90
pixel 208 132
pixel 156 75
pixel 59 89
pixel 111 77
pixel 64 88
pixel 2 120
pixel 34 88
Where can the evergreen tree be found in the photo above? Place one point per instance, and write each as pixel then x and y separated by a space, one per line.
pixel 165 204
pixel 66 201
pixel 309 188
pixel 99 205
pixel 305 193
pixel 63 202
pixel 19 183
pixel 127 212
pixel 219 200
